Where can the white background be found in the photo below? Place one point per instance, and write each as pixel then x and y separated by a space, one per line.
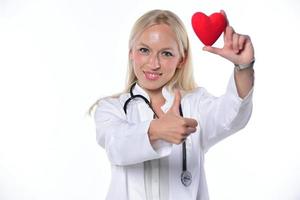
pixel 59 56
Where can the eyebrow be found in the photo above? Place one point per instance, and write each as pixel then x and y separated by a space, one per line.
pixel 166 48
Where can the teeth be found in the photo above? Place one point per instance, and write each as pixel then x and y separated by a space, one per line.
pixel 152 76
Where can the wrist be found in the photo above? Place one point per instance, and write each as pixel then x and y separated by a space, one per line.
pixel 239 67
pixel 152 131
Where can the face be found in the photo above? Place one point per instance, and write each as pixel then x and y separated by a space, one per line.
pixel 155 57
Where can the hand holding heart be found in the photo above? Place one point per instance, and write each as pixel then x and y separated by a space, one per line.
pixel 171 127
pixel 237 48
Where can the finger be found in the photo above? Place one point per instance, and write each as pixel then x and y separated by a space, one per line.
pixel 242 42
pixel 235 43
pixel 228 35
pixel 189 131
pixel 190 122
pixel 223 13
pixel 176 102
pixel 178 139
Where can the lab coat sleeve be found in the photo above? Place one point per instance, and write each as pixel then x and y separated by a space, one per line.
pixel 224 115
pixel 125 143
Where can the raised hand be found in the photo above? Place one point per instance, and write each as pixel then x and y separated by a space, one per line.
pixel 237 48
pixel 171 127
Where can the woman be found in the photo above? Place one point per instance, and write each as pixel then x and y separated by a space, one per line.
pixel 157 132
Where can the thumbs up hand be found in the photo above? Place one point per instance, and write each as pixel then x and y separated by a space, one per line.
pixel 171 127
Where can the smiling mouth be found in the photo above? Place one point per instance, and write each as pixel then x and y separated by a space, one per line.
pixel 152 75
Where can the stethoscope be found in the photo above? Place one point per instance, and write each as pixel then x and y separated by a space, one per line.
pixel 186 176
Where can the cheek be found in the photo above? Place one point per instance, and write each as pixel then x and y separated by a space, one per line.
pixel 137 59
pixel 137 63
pixel 171 65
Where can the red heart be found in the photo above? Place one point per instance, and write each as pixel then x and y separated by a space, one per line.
pixel 208 29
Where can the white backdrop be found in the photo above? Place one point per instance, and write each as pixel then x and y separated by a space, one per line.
pixel 58 56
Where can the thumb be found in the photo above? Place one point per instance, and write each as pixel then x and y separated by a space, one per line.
pixel 176 102
pixel 213 50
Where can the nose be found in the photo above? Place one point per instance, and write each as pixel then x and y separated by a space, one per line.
pixel 154 61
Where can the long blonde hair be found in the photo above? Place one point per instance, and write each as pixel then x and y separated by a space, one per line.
pixel 183 78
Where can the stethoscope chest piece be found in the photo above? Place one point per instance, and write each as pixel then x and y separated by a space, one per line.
pixel 186 178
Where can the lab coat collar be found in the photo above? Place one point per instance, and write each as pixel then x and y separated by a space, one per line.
pixel 139 90
pixel 168 95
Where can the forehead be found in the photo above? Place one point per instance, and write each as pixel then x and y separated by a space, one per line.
pixel 158 34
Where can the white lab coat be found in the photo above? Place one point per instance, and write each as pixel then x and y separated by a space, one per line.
pixel 127 145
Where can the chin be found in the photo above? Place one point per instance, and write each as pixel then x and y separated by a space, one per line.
pixel 152 86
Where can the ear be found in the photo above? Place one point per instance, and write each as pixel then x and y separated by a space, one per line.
pixel 181 62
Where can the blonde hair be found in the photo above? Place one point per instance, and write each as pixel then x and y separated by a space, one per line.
pixel 183 78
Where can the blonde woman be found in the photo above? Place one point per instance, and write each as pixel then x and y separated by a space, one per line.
pixel 157 131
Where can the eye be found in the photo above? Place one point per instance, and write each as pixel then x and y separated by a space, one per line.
pixel 143 50
pixel 167 53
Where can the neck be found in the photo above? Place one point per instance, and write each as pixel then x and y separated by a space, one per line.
pixel 157 101
pixel 156 98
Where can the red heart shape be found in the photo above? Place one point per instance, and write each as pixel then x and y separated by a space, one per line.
pixel 208 29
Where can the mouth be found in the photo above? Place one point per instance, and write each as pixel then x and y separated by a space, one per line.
pixel 152 76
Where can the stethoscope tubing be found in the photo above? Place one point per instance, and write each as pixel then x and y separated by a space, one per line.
pixel 186 177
